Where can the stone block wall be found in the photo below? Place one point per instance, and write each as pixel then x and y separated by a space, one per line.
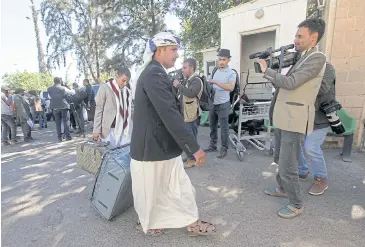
pixel 347 54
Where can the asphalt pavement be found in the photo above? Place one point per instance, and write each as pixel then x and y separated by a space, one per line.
pixel 45 202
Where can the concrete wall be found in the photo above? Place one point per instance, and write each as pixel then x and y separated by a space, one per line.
pixel 255 43
pixel 281 16
pixel 347 54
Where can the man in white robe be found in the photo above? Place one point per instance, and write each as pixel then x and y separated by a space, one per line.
pixel 112 121
pixel 163 194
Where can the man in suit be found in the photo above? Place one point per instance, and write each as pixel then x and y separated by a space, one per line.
pixel 112 121
pixel 58 94
pixel 90 100
pixel 293 110
pixel 163 194
pixel 313 142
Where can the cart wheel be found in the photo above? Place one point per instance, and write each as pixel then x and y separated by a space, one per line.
pixel 271 151
pixel 240 155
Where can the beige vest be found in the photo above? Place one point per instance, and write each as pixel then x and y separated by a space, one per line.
pixel 38 105
pixel 192 107
pixel 294 109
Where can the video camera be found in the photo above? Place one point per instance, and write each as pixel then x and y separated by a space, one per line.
pixel 176 75
pixel 285 59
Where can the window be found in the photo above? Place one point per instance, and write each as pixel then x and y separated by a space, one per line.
pixel 210 67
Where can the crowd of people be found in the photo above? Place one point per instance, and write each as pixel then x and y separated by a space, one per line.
pixel 70 107
pixel 160 119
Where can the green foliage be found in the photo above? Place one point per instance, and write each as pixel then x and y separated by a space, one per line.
pixel 29 81
pixel 102 34
pixel 312 9
pixel 200 22
pixel 201 26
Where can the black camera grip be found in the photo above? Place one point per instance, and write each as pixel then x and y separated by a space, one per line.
pixel 257 67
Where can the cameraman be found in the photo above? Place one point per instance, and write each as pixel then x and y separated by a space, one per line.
pixel 313 142
pixel 191 90
pixel 292 110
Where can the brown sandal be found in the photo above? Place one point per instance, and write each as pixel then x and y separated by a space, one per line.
pixel 201 228
pixel 151 232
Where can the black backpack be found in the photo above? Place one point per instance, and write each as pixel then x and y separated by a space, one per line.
pixel 236 90
pixel 207 98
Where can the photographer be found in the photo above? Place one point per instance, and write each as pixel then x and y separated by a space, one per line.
pixel 313 142
pixel 292 110
pixel 191 90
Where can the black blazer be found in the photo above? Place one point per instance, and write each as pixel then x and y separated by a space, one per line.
pixel 159 131
pixel 58 97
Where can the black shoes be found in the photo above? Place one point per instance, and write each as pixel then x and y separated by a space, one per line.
pixel 222 154
pixel 210 149
pixel 303 177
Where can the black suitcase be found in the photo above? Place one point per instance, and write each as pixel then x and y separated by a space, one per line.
pixel 112 192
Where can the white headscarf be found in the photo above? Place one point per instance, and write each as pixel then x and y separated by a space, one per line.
pixel 160 39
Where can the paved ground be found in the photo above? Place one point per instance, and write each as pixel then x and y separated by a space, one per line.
pixel 45 202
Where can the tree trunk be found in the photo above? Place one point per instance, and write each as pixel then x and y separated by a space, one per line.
pixel 153 18
pixel 41 64
pixel 96 40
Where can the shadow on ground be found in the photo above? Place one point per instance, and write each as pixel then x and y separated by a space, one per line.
pixel 45 202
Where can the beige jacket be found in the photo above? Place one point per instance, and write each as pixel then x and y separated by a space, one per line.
pixel 293 102
pixel 105 110
pixel 191 97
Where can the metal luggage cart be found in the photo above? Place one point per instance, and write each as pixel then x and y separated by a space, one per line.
pixel 257 111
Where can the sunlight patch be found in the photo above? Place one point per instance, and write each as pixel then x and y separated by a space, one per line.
pixel 267 174
pixel 357 212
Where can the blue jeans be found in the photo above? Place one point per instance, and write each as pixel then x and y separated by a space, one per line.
pixel 313 154
pixel 41 118
pixel 193 128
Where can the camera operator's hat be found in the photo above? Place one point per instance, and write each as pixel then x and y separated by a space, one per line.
pixel 224 53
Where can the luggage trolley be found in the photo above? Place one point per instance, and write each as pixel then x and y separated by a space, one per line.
pixel 251 111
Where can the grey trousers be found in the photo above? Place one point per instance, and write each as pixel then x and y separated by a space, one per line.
pixel 287 150
pixel 27 131
pixel 8 124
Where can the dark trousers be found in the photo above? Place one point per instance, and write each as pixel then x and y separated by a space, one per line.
pixel 78 116
pixel 62 115
pixel 8 125
pixel 91 111
pixel 72 119
pixel 287 145
pixel 193 128
pixel 219 113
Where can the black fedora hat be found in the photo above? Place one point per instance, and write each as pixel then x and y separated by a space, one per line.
pixel 224 53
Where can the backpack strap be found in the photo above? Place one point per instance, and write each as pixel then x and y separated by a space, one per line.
pixel 201 88
pixel 214 70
